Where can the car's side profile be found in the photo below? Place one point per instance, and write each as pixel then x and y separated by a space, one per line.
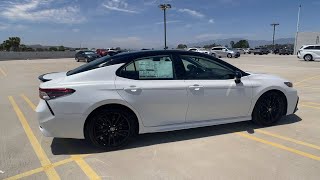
pixel 111 99
pixel 309 52
pixel 224 52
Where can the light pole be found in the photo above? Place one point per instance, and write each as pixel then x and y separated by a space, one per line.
pixel 297 33
pixel 274 31
pixel 164 7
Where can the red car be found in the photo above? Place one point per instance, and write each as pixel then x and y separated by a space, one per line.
pixel 104 52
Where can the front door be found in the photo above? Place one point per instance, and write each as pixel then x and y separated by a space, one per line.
pixel 212 91
pixel 150 86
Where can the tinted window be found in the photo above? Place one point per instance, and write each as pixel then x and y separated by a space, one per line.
pixel 89 66
pixel 317 47
pixel 309 47
pixel 203 68
pixel 156 67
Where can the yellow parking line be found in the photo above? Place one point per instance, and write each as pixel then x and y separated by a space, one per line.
pixel 3 72
pixel 38 170
pixel 288 139
pixel 85 167
pixel 280 146
pixel 305 105
pixel 303 102
pixel 44 160
pixel 33 106
pixel 307 79
pixel 78 159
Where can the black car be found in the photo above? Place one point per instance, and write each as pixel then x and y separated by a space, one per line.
pixel 285 51
pixel 86 56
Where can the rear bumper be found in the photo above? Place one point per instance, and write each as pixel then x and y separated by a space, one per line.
pixel 59 125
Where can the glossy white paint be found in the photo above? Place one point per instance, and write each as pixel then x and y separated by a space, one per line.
pixel 160 105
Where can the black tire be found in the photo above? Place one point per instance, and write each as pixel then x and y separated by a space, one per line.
pixel 213 54
pixel 308 57
pixel 229 55
pixel 269 109
pixel 255 53
pixel 86 60
pixel 111 128
pixel 77 59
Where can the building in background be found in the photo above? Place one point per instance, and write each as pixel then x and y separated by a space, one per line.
pixel 305 38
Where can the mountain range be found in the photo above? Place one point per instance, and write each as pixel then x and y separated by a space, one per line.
pixel 252 43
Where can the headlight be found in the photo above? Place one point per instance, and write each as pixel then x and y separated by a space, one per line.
pixel 289 84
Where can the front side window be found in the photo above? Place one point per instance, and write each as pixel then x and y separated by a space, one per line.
pixel 149 68
pixel 317 47
pixel 309 47
pixel 203 68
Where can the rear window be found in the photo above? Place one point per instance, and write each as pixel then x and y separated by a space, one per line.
pixel 101 62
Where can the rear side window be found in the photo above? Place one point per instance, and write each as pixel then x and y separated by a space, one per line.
pixel 149 68
pixel 317 47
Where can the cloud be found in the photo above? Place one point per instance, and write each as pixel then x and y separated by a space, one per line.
pixel 39 11
pixel 75 30
pixel 118 5
pixel 127 41
pixel 211 21
pixel 4 26
pixel 220 35
pixel 168 22
pixel 192 13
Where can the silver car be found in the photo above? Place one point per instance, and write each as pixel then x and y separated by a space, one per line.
pixel 224 52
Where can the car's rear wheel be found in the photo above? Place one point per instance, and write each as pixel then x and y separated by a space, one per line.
pixel 269 108
pixel 111 128
pixel 308 57
pixel 77 59
pixel 229 55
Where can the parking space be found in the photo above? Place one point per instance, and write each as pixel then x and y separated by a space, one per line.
pixel 288 150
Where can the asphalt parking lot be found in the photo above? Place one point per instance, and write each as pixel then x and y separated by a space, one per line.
pixel 287 150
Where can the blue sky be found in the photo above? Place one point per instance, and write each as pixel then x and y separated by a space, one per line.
pixel 139 23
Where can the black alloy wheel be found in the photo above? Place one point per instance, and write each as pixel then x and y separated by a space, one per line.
pixel 269 108
pixel 111 128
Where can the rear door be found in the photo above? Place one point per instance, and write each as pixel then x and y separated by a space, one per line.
pixel 150 85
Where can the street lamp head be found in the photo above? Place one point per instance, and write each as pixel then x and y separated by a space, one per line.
pixel 165 6
pixel 275 24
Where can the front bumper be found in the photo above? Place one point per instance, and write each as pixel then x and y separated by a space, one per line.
pixel 59 125
pixel 296 109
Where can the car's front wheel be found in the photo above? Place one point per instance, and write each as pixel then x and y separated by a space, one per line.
pixel 229 55
pixel 269 108
pixel 111 128
pixel 308 57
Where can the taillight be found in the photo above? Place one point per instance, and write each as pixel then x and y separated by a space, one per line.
pixel 48 94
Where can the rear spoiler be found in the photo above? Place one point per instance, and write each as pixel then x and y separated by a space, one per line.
pixel 42 79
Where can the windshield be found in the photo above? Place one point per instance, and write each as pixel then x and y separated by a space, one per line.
pixel 89 52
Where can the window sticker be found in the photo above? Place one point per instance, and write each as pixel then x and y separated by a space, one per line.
pixel 150 69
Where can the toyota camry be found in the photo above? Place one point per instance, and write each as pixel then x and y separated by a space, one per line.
pixel 110 100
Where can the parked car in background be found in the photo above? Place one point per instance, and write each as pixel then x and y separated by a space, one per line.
pixel 276 51
pixel 200 50
pixel 104 52
pixel 240 50
pixel 285 51
pixel 309 52
pixel 224 52
pixel 109 101
pixel 86 56
pixel 250 50
pixel 246 51
pixel 260 51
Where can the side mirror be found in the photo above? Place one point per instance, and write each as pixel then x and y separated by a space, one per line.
pixel 237 77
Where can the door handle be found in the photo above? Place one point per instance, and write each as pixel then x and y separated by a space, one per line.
pixel 195 87
pixel 132 88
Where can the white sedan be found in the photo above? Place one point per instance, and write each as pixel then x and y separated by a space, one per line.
pixel 111 99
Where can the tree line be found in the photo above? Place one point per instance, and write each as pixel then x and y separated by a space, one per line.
pixel 14 44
